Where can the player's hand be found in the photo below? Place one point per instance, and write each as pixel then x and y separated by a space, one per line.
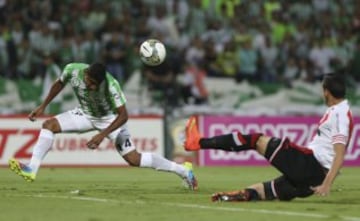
pixel 37 112
pixel 95 141
pixel 322 190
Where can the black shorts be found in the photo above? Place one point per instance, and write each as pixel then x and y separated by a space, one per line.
pixel 299 167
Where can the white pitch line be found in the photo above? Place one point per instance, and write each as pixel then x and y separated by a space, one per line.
pixel 239 209
pixel 197 206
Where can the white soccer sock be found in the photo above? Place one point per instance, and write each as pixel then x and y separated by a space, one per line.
pixel 160 163
pixel 41 148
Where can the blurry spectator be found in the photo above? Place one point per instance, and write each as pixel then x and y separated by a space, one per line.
pixel 142 32
pixel 25 54
pixel 197 19
pixel 8 52
pixel 328 36
pixel 287 48
pixel 94 18
pixel 301 10
pixel 136 8
pixel 302 39
pixel 218 34
pixel 356 19
pixel 270 7
pixel 195 51
pixel 179 9
pixel 248 62
pixel 354 69
pixel 46 8
pixel 343 19
pixel 342 53
pixel 291 72
pixel 281 27
pixel 65 51
pixel 210 57
pixel 226 64
pixel 226 9
pixel 321 5
pixel 17 32
pixel 132 61
pixel 194 90
pixel 3 57
pixel 259 38
pixel 2 9
pixel 269 55
pixel 42 39
pixel 241 32
pixel 77 51
pixel 163 25
pixel 114 55
pixel 33 12
pixel 321 57
pixel 161 83
pixel 305 70
pixel 255 8
pixel 91 47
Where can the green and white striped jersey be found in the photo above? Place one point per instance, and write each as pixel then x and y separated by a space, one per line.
pixel 98 103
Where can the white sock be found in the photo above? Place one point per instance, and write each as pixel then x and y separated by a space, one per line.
pixel 160 163
pixel 41 148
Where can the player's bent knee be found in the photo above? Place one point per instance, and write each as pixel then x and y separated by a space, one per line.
pixel 52 125
pixel 268 190
pixel 284 190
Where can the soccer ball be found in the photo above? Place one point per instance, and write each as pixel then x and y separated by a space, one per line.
pixel 152 52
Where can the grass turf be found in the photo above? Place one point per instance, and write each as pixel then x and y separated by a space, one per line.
pixel 143 194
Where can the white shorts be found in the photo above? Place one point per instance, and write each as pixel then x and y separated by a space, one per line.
pixel 77 121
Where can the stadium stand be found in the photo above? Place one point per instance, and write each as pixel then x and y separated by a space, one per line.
pixel 292 44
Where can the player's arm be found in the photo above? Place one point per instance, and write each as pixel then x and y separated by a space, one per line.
pixel 122 117
pixel 54 91
pixel 324 188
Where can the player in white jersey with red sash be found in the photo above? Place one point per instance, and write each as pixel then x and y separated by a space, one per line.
pixel 102 108
pixel 305 170
pixel 334 127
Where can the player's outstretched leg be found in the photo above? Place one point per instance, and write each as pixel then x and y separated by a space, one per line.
pixel 22 170
pixel 230 142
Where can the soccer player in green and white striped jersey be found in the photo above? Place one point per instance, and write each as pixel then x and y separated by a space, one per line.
pixel 102 108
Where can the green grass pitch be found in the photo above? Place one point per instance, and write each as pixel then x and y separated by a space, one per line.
pixel 143 194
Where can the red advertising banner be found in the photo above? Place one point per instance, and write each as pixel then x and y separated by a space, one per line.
pixel 297 129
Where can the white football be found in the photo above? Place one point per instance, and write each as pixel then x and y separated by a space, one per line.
pixel 152 52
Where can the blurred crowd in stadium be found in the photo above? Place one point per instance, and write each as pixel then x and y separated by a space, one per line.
pixel 255 40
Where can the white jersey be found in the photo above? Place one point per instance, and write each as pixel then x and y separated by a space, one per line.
pixel 334 127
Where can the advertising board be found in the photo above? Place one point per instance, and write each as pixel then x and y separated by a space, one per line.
pixel 18 135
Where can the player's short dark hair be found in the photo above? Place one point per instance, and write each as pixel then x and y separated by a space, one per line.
pixel 97 71
pixel 335 84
